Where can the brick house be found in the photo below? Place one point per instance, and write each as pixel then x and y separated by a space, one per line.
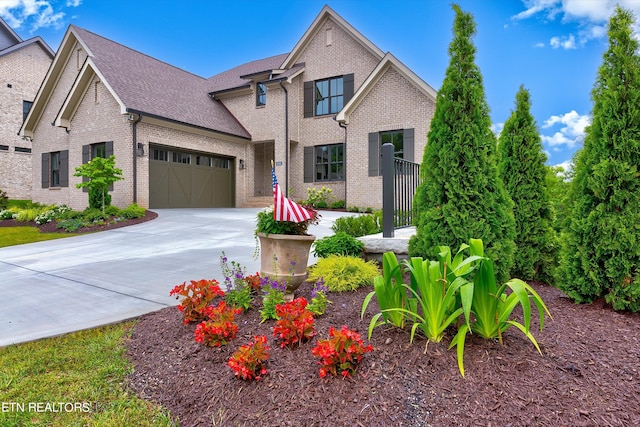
pixel 321 112
pixel 23 65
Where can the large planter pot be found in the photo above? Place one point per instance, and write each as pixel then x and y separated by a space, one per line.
pixel 284 257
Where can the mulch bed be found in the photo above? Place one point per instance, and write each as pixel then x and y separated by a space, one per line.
pixel 51 227
pixel 588 373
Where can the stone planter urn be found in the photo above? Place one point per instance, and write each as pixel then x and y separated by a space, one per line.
pixel 284 257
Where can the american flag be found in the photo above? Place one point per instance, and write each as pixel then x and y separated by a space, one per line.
pixel 285 209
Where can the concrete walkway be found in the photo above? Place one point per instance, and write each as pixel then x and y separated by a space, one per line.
pixel 59 286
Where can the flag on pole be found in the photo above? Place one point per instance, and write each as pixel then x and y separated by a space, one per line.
pixel 285 209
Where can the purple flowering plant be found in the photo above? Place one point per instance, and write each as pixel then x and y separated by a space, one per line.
pixel 319 299
pixel 273 295
pixel 238 291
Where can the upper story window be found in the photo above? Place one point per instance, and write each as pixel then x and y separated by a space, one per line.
pixel 327 96
pixel 26 106
pixel 261 95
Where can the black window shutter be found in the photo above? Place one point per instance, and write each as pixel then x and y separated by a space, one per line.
pixel 108 151
pixel 374 154
pixel 45 170
pixel 64 168
pixel 407 145
pixel 308 164
pixel 86 156
pixel 308 99
pixel 108 148
pixel 347 81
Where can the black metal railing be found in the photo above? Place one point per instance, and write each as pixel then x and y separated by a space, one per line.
pixel 400 179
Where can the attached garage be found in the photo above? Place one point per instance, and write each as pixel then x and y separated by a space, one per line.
pixel 189 179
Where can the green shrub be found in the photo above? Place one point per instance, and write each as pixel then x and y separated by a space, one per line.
pixel 338 204
pixel 112 211
pixel 461 195
pixel 600 255
pixel 95 198
pixel 71 225
pixel 318 197
pixel 30 214
pixel 343 273
pixel 4 200
pixel 354 209
pixel 133 211
pixel 6 214
pixel 92 215
pixel 53 213
pixel 361 225
pixel 339 244
pixel 524 174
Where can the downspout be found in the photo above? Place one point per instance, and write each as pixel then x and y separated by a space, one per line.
pixel 286 139
pixel 135 158
pixel 344 159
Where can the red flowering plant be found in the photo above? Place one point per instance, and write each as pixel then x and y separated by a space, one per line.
pixel 340 353
pixel 248 362
pixel 254 281
pixel 196 297
pixel 220 327
pixel 295 322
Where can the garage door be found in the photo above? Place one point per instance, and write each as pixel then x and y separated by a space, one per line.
pixel 186 179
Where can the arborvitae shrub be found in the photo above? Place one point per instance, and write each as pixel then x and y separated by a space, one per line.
pixel 523 172
pixel 461 195
pixel 601 243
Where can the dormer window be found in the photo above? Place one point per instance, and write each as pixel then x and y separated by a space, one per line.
pixel 261 95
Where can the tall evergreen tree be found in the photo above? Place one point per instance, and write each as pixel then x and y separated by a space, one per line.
pixel 522 169
pixel 461 195
pixel 601 245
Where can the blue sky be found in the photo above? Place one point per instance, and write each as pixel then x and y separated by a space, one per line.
pixel 552 47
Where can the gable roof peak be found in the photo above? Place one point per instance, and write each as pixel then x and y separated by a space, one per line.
pixel 8 37
pixel 326 13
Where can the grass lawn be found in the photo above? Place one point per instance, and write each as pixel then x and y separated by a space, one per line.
pixel 80 376
pixel 10 236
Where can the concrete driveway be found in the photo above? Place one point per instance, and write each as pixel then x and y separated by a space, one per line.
pixel 59 286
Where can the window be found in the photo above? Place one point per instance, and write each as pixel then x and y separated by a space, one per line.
pixel 4 148
pixel 99 150
pixel 158 154
pixel 22 150
pixel 203 160
pixel 402 141
pixel 327 96
pixel 221 163
pixel 55 169
pixel 26 106
pixel 261 95
pixel 395 138
pixel 182 158
pixel 324 163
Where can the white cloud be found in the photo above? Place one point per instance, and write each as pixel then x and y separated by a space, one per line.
pixel 37 13
pixel 571 133
pixel 496 128
pixel 567 165
pixel 563 42
pixel 538 45
pixel 590 15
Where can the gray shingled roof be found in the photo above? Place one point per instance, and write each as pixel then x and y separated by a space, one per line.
pixel 230 79
pixel 145 84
